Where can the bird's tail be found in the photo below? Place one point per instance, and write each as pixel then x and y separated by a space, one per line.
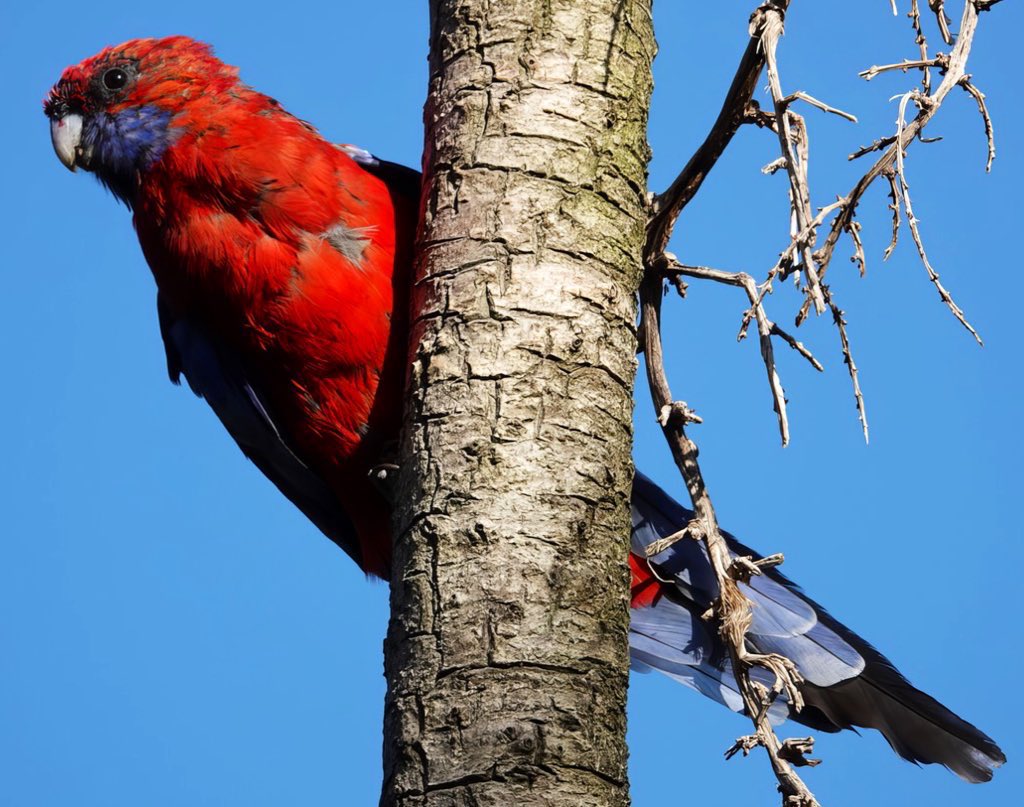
pixel 847 681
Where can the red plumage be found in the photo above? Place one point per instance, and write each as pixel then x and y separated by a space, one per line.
pixel 235 220
pixel 240 248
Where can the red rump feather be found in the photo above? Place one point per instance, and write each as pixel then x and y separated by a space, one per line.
pixel 645 589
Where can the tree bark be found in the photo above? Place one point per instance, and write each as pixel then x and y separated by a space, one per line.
pixel 507 656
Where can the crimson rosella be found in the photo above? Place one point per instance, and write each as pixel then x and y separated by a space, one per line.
pixel 282 263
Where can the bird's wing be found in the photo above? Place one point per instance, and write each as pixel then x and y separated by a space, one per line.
pixel 212 373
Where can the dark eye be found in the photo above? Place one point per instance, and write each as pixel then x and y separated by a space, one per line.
pixel 115 78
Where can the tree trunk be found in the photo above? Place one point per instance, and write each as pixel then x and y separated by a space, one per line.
pixel 507 657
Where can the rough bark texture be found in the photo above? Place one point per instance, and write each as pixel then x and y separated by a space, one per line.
pixel 506 656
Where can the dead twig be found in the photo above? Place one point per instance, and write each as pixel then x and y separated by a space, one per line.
pixel 922 44
pixel 904 192
pixel 979 98
pixel 858 247
pixel 800 95
pixel 794 152
pixel 909 130
pixel 904 66
pixel 731 610
pixel 878 145
pixel 787 259
pixel 940 17
pixel 894 206
pixel 839 318
pixel 765 328
pixel 734 113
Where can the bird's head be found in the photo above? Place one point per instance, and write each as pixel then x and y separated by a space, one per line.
pixel 115 113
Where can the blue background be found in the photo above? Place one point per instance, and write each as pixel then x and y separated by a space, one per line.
pixel 173 632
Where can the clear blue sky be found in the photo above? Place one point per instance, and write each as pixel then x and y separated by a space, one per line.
pixel 174 633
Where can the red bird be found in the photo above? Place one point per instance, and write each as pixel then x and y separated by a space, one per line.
pixel 282 264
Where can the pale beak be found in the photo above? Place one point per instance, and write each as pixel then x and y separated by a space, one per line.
pixel 66 134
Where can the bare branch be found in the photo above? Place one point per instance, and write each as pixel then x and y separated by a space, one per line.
pixel 838 317
pixel 904 66
pixel 771 30
pixel 894 206
pixel 904 189
pixel 797 346
pixel 734 113
pixel 801 258
pixel 979 97
pixel 800 95
pixel 956 62
pixel 940 17
pixel 787 257
pixel 731 609
pixel 922 44
pixel 878 145
pixel 765 328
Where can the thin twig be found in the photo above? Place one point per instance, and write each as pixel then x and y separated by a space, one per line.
pixel 894 206
pixel 957 60
pixel 922 44
pixel 798 346
pixel 800 95
pixel 940 16
pixel 904 189
pixel 979 97
pixel 765 329
pixel 878 145
pixel 735 108
pixel 904 66
pixel 858 247
pixel 839 318
pixel 771 30
pixel 731 609
pixel 786 258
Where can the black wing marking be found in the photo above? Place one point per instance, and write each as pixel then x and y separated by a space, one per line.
pixel 214 375
pixel 399 178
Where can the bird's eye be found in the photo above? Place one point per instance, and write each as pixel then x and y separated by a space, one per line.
pixel 115 78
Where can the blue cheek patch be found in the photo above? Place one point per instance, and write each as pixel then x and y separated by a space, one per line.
pixel 121 145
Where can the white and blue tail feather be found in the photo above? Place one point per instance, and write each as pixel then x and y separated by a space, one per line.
pixel 847 682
